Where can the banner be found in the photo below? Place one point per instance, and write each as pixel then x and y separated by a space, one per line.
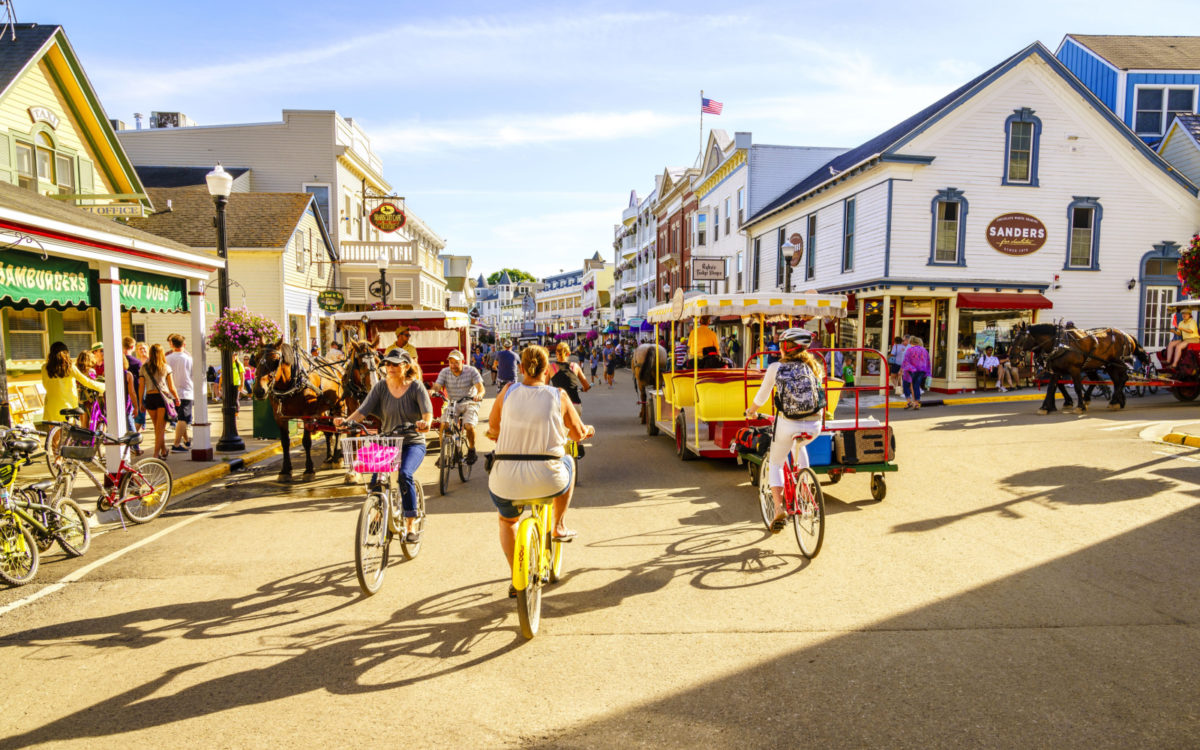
pixel 149 292
pixel 53 282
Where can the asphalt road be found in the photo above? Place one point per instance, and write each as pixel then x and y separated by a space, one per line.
pixel 1029 581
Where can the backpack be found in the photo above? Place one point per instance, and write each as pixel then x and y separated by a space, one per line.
pixel 756 440
pixel 798 392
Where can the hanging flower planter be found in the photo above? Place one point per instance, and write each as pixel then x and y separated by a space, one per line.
pixel 1189 267
pixel 239 330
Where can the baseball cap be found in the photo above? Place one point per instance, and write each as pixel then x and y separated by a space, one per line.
pixel 397 356
pixel 455 354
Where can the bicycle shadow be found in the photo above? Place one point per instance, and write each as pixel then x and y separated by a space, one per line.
pixel 439 635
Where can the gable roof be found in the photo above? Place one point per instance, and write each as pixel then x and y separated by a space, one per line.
pixel 1190 124
pixel 16 55
pixel 504 278
pixel 170 177
pixel 884 145
pixel 481 282
pixel 254 220
pixel 1144 52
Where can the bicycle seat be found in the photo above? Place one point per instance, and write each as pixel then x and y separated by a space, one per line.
pixel 43 486
pixel 75 412
pixel 24 445
pixel 130 438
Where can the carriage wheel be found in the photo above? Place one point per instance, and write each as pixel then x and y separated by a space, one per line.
pixel 681 448
pixel 1186 392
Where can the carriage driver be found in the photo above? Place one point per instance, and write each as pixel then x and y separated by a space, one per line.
pixel 460 381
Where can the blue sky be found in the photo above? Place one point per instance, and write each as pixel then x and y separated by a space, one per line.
pixel 517 132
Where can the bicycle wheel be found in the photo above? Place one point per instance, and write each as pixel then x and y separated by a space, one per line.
pixel 464 468
pixel 526 560
pixel 412 549
pixel 766 501
pixel 54 441
pixel 445 458
pixel 143 494
pixel 18 553
pixel 1151 374
pixel 371 541
pixel 71 528
pixel 809 520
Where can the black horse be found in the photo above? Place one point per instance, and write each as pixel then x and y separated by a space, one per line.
pixel 1072 352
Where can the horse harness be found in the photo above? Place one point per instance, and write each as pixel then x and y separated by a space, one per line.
pixel 1065 345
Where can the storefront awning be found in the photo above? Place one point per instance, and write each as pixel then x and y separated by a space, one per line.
pixel 999 301
pixel 151 292
pixel 26 279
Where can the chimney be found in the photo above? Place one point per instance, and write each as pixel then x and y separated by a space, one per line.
pixel 137 119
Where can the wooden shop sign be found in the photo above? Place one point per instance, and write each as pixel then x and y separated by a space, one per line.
pixel 1016 234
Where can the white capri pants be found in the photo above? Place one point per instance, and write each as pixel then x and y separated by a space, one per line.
pixel 789 432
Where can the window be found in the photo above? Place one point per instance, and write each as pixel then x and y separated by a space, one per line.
pixel 301 251
pixel 25 176
pixel 320 194
pixel 1022 136
pixel 810 244
pixel 716 224
pixel 741 196
pixel 728 215
pixel 738 263
pixel 701 219
pixel 755 265
pixel 949 209
pixel 848 235
pixel 1155 107
pixel 1083 244
pixel 65 173
pixel 78 330
pixel 27 335
pixel 45 158
pixel 779 261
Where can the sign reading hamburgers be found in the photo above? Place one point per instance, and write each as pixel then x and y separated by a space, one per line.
pixel 1016 234
pixel 387 218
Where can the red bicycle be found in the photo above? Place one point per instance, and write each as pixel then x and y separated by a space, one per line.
pixel 803 500
pixel 141 491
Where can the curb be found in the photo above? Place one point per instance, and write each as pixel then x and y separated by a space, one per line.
pixel 190 482
pixel 1182 438
pixel 971 400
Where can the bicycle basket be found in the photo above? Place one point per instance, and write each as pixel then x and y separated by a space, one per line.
pixel 78 452
pixel 80 435
pixel 372 455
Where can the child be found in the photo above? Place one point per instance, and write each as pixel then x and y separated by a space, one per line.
pixel 848 372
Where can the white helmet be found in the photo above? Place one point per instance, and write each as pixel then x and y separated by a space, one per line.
pixel 797 337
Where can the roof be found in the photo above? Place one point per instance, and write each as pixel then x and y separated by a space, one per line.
pixel 1144 52
pixel 254 220
pixel 597 257
pixel 504 278
pixel 899 134
pixel 481 282
pixel 27 201
pixel 169 177
pixel 1190 124
pixel 16 54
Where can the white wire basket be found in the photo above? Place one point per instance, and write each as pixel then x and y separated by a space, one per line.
pixel 371 454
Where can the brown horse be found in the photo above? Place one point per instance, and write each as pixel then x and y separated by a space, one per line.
pixel 643 366
pixel 1072 352
pixel 298 390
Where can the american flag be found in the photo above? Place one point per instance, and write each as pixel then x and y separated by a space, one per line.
pixel 711 106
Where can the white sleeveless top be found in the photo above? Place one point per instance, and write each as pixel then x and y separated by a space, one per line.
pixel 530 423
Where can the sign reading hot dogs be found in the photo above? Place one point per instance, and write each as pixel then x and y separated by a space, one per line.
pixel 1016 234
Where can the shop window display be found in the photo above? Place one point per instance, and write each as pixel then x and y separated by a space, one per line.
pixel 980 328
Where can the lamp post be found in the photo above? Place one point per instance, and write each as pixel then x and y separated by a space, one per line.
pixel 381 288
pixel 220 184
pixel 789 251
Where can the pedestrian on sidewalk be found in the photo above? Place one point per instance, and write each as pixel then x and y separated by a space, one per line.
pixel 141 353
pixel 180 362
pixel 895 359
pixel 915 371
pixel 610 369
pixel 159 396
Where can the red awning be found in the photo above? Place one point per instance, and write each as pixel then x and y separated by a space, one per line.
pixel 1000 301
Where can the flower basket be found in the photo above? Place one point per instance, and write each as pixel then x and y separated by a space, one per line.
pixel 1189 267
pixel 239 330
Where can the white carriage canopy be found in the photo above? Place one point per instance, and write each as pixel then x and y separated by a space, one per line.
pixel 774 306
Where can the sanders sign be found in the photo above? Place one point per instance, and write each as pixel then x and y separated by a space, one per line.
pixel 1016 234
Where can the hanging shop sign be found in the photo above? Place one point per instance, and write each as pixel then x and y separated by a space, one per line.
pixel 330 300
pixel 708 269
pixel 149 292
pixel 116 209
pixel 1016 234
pixel 387 218
pixel 27 278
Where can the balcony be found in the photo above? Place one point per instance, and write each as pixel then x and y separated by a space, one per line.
pixel 366 251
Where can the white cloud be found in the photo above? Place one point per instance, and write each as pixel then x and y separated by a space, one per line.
pixel 546 243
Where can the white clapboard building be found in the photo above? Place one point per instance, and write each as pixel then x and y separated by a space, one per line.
pixel 1017 197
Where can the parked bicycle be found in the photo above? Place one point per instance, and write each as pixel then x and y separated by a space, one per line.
pixel 803 501
pixel 537 561
pixel 91 418
pixel 453 451
pixel 31 522
pixel 141 491
pixel 380 518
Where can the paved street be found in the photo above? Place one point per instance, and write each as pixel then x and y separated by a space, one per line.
pixel 1028 582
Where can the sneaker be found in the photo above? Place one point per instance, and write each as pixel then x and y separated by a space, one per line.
pixel 471 458
pixel 1002 389
pixel 178 449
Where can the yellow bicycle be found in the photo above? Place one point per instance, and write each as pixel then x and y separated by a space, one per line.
pixel 537 560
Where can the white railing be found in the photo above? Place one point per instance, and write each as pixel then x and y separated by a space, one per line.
pixel 367 251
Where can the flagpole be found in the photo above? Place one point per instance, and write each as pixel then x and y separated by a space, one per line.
pixel 702 128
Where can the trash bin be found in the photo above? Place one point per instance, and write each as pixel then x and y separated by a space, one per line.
pixel 264 420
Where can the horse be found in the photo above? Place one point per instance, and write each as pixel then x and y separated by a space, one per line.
pixel 644 373
pixel 280 375
pixel 1072 352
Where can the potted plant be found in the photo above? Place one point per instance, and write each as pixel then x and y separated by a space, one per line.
pixel 1189 267
pixel 240 330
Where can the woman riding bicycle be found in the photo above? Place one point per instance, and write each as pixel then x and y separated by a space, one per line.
pixel 531 423
pixel 798 378
pixel 568 376
pixel 399 399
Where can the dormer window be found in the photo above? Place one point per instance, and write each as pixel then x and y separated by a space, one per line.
pixel 1156 106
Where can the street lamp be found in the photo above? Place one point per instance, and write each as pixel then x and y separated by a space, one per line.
pixel 789 251
pixel 381 288
pixel 220 184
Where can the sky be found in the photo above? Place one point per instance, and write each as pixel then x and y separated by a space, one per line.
pixel 517 132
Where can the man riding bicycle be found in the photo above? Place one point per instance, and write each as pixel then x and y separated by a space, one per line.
pixel 798 381
pixel 458 381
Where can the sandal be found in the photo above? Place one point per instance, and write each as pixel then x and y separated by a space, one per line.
pixel 512 591
pixel 779 522
pixel 568 535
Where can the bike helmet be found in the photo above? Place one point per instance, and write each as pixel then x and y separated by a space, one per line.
pixel 800 337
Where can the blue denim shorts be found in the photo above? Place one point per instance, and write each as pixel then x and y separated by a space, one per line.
pixel 512 508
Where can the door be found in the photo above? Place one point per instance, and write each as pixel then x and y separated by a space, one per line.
pixel 1157 331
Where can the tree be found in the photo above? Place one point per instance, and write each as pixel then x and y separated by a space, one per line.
pixel 515 274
